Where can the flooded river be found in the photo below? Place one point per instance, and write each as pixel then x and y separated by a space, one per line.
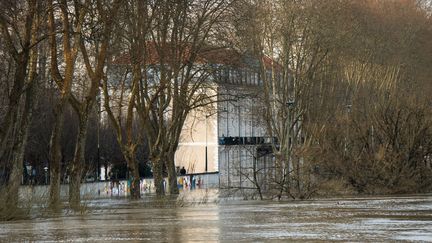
pixel 373 219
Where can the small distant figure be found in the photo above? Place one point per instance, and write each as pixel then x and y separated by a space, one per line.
pixel 164 185
pixel 200 182
pixel 185 182
pixel 183 171
pixel 193 182
pixel 180 183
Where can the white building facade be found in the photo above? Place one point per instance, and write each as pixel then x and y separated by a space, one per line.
pixel 230 137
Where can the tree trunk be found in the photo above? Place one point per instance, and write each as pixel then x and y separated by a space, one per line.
pixel 134 175
pixel 21 141
pixel 21 138
pixel 157 175
pixel 172 175
pixel 12 197
pixel 64 85
pixel 55 155
pixel 77 163
pixel 15 98
pixel 298 184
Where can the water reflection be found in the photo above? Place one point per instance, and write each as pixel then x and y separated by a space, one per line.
pixel 187 220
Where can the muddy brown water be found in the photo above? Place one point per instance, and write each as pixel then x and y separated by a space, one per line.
pixel 366 219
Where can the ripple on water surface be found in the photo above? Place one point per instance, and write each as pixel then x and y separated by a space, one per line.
pixel 116 220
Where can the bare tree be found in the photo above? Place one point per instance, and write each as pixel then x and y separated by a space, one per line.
pixel 368 79
pixel 313 63
pixel 70 27
pixel 292 51
pixel 124 99
pixel 121 88
pixel 104 19
pixel 180 33
pixel 19 24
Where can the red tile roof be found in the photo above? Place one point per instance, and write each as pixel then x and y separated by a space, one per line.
pixel 212 55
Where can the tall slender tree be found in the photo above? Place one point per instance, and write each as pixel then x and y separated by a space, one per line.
pixel 104 16
pixel 70 33
pixel 19 23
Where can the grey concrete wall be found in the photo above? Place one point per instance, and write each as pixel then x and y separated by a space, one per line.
pixel 120 188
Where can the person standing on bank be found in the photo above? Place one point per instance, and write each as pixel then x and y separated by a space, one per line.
pixel 183 171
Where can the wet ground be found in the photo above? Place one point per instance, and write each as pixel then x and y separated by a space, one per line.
pixel 192 219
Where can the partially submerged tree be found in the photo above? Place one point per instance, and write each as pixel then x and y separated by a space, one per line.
pixel 93 46
pixel 181 34
pixel 125 78
pixel 316 61
pixel 288 40
pixel 19 23
pixel 168 77
pixel 63 75
pixel 376 105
